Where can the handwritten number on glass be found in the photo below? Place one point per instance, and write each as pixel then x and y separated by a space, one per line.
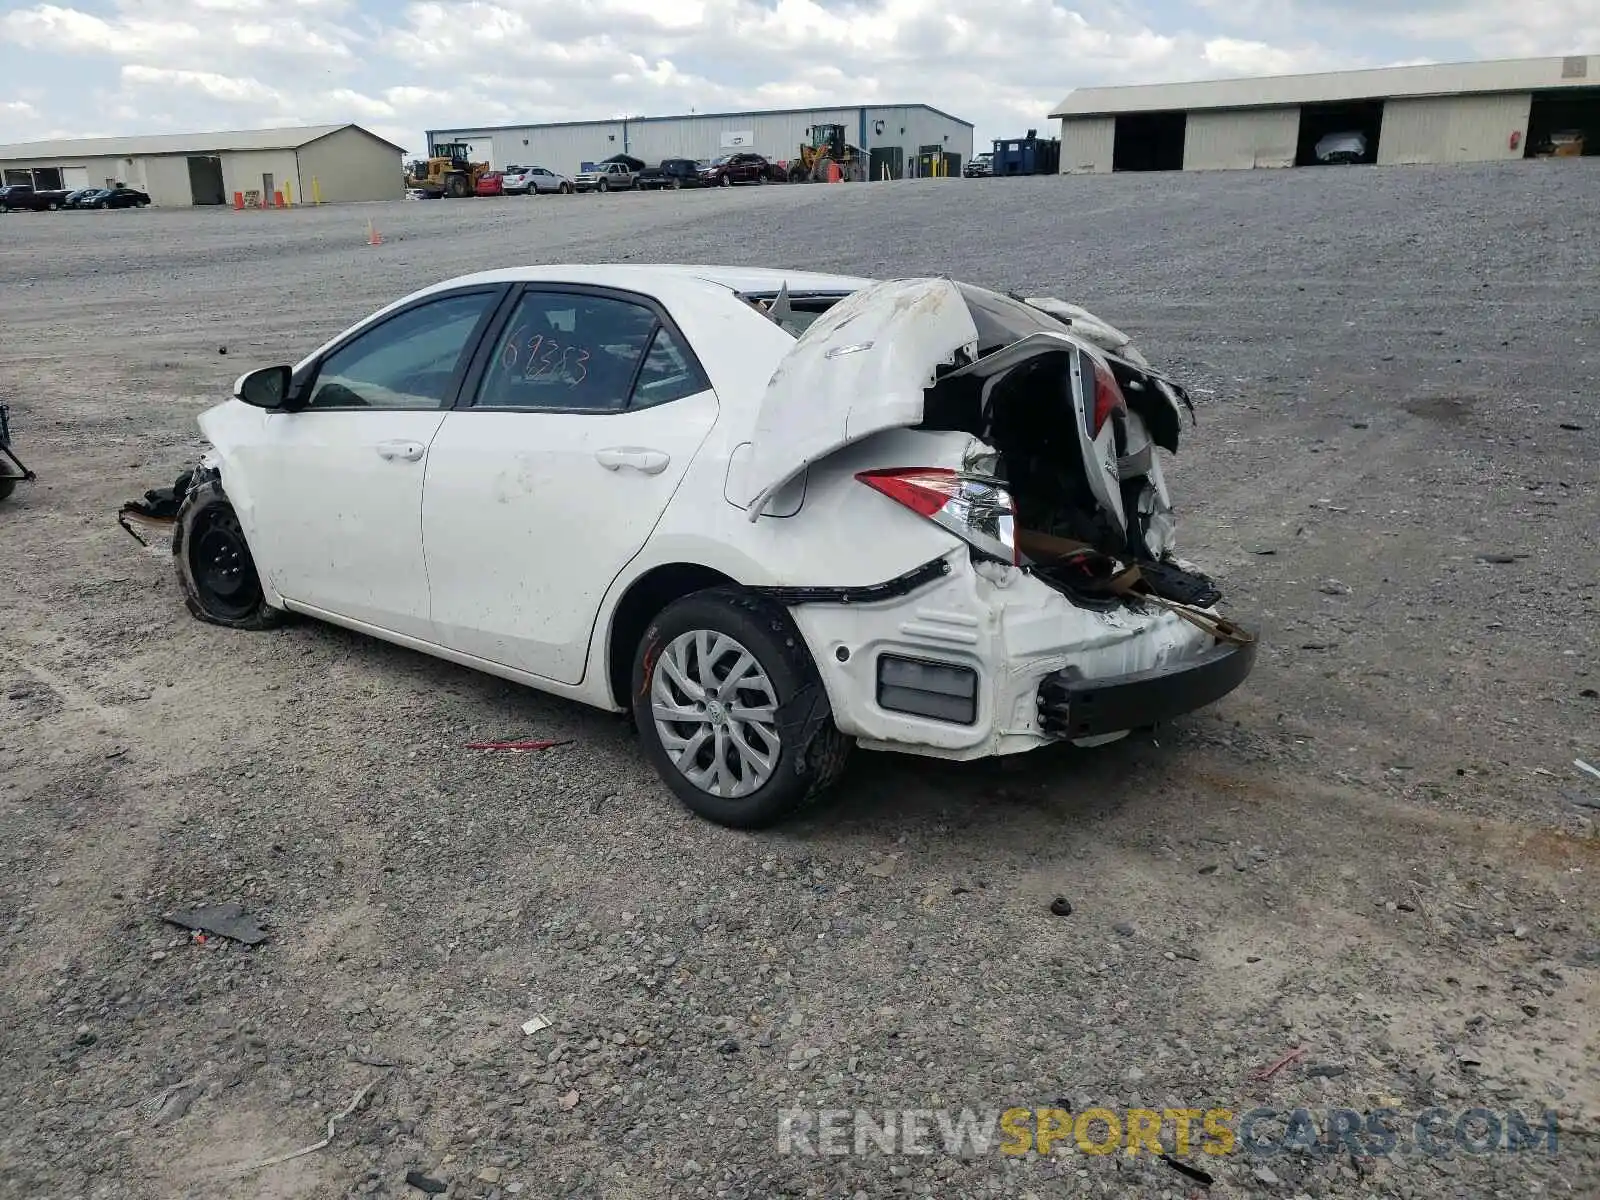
pixel 546 357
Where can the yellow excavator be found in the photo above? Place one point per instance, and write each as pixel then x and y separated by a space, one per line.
pixel 447 172
pixel 827 146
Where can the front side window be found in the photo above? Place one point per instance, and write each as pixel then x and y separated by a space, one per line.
pixel 408 361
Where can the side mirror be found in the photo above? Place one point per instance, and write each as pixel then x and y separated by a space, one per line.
pixel 267 387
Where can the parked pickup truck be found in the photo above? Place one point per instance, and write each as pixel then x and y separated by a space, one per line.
pixel 21 195
pixel 606 177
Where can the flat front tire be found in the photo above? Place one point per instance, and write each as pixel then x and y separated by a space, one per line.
pixel 731 710
pixel 215 568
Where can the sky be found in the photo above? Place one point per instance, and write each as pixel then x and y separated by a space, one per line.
pixel 87 68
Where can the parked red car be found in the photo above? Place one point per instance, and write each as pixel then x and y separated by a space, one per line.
pixel 742 167
pixel 492 183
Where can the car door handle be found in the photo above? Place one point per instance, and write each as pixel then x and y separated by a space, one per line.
pixel 410 451
pixel 651 462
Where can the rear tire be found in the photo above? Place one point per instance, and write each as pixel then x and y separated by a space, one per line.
pixel 215 569
pixel 783 751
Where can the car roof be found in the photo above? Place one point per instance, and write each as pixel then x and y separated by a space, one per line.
pixel 645 276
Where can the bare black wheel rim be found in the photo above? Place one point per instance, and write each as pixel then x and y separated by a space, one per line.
pixel 223 572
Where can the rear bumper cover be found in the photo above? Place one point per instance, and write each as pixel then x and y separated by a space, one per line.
pixel 1071 706
pixel 1044 666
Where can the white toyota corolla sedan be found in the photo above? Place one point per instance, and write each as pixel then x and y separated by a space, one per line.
pixel 773 514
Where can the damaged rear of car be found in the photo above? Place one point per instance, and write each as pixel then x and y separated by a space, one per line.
pixel 1028 431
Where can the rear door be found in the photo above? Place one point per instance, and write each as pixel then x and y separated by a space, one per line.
pixel 578 422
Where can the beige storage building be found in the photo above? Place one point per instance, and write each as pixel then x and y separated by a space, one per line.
pixel 336 163
pixel 1434 113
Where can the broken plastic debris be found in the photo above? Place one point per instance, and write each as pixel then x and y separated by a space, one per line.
pixel 1583 766
pixel 224 920
pixel 535 1023
pixel 534 745
pixel 1268 1072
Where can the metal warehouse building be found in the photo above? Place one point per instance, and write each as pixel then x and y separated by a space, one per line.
pixel 1439 113
pixel 332 163
pixel 895 138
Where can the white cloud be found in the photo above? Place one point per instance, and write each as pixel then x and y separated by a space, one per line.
pixel 50 27
pixel 1233 56
pixel 224 88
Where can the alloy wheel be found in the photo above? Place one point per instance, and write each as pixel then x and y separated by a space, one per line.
pixel 716 713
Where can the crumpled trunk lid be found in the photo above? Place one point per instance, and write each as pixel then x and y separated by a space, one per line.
pixel 860 368
pixel 869 363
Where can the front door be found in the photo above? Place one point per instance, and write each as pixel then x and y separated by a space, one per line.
pixel 542 489
pixel 335 488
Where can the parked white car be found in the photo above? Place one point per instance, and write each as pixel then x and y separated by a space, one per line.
pixel 771 513
pixel 527 181
pixel 1347 147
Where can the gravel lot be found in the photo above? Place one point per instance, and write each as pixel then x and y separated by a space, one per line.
pixel 1378 852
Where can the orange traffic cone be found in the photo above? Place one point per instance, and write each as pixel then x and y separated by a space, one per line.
pixel 374 238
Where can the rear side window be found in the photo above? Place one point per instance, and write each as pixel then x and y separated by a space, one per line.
pixel 568 351
pixel 666 374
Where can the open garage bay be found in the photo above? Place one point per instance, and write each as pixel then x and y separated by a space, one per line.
pixel 1378 852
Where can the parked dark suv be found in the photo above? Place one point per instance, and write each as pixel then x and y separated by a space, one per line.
pixel 742 167
pixel 671 173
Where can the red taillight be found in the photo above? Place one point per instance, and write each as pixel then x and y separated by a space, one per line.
pixel 1108 399
pixel 924 490
pixel 976 509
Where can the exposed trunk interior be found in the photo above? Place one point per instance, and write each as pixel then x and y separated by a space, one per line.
pixel 1067 537
pixel 1030 424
